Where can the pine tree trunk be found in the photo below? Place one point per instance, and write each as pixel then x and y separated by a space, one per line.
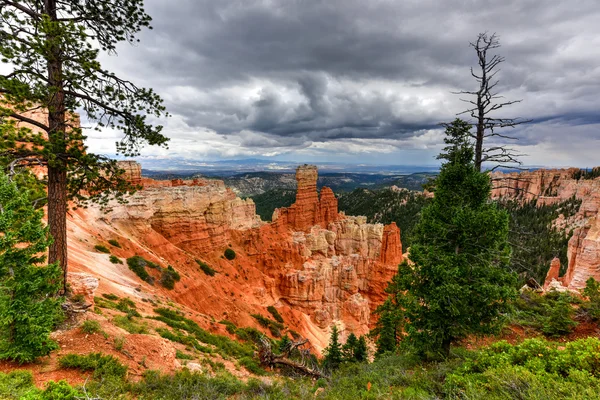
pixel 57 218
pixel 57 173
pixel 446 347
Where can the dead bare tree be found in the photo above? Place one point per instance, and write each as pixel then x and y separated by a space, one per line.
pixel 485 101
pixel 304 365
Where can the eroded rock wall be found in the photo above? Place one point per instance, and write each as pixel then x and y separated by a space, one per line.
pixel 555 186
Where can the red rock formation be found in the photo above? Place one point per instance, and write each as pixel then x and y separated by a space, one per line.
pixel 133 171
pixel 308 210
pixel 554 186
pixel 391 247
pixel 553 273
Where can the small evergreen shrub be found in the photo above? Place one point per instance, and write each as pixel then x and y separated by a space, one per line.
pixel 102 249
pixel 266 322
pixel 275 314
pixel 558 320
pixel 114 259
pixel 91 327
pixel 103 366
pixel 251 365
pixel 130 325
pixel 183 356
pixel 168 277
pixel 119 343
pixel 127 306
pixel 113 242
pixel 206 268
pixel 138 265
pixel 110 296
pixel 229 254
pixel 229 326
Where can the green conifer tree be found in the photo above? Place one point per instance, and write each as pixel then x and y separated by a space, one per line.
pixel 360 351
pixel 29 308
pixel 333 352
pixel 459 284
pixel 349 347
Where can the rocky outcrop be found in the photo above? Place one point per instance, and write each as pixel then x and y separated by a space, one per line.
pixel 84 285
pixel 555 186
pixel 391 246
pixel 308 210
pixel 132 171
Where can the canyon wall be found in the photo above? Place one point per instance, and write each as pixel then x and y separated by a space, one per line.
pixel 315 265
pixel 552 187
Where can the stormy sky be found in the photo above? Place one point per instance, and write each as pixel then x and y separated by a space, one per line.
pixel 362 81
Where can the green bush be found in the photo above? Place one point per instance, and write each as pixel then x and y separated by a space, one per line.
pixel 266 322
pixel 103 366
pixel 229 254
pixel 138 265
pixel 558 320
pixel 229 326
pixel 130 325
pixel 110 296
pixel 102 249
pixel 113 242
pixel 114 259
pixel 127 305
pixel 206 268
pixel 90 327
pixel 119 343
pixel 275 314
pixel 168 277
pixel 251 365
pixel 183 356
pixel 550 314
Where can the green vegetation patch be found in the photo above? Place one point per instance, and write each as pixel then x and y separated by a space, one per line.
pixel 275 314
pixel 130 324
pixel 229 254
pixel 551 314
pixel 113 242
pixel 206 268
pixel 223 344
pixel 90 327
pixel 168 277
pixel 110 296
pixel 138 265
pixel 102 365
pixel 114 259
pixel 102 249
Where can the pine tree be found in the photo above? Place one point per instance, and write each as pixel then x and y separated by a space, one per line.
pixel 28 306
pixel 459 284
pixel 360 351
pixel 349 347
pixel 51 49
pixel 333 352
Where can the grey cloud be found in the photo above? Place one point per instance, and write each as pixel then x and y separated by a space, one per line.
pixel 302 72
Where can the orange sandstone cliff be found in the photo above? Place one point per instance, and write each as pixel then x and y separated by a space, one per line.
pixel 315 265
pixel 554 186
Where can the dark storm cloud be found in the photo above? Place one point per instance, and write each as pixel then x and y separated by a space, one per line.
pixel 299 72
